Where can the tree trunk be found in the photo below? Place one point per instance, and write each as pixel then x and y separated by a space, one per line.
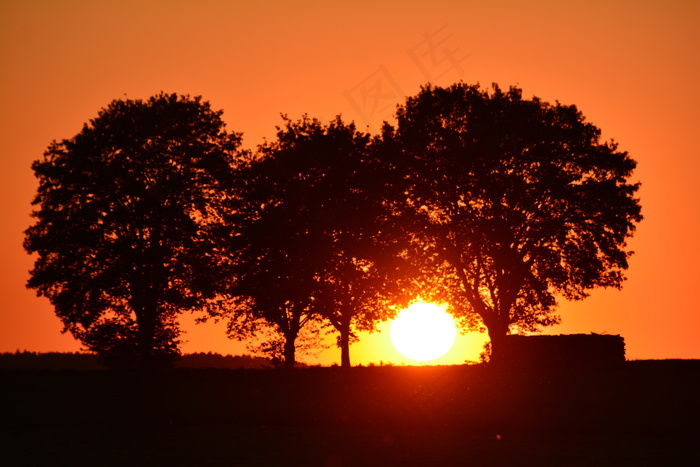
pixel 345 348
pixel 497 334
pixel 289 351
pixel 145 339
pixel 146 311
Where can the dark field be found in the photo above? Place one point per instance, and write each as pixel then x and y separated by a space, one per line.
pixel 640 413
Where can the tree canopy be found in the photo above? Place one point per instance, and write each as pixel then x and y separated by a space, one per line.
pixel 125 212
pixel 492 203
pixel 515 200
pixel 310 235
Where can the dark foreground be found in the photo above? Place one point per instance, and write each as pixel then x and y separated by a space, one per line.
pixel 642 413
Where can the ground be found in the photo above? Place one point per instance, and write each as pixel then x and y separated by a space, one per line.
pixel 638 413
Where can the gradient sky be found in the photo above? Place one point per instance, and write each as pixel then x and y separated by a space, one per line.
pixel 631 67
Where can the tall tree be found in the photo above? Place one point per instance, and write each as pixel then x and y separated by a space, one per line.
pixel 124 213
pixel 518 200
pixel 312 246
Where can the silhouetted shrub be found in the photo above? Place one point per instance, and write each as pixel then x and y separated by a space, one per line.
pixel 49 361
pixel 91 361
pixel 215 360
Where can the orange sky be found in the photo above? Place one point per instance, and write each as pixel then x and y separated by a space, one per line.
pixel 630 66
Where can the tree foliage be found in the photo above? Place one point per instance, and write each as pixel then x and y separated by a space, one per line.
pixel 311 245
pixel 125 213
pixel 514 200
pixel 480 198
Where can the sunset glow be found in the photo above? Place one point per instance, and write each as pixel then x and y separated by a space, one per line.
pixel 61 62
pixel 423 332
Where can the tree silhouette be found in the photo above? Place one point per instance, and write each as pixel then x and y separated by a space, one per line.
pixel 126 208
pixel 515 200
pixel 311 244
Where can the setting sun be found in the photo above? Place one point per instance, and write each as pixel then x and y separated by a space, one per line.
pixel 423 331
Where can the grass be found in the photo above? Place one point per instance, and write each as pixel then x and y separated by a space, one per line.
pixel 642 413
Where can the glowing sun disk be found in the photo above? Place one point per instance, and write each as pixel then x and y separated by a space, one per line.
pixel 423 331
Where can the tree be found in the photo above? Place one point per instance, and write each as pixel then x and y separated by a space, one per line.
pixel 515 200
pixel 311 243
pixel 270 343
pixel 269 292
pixel 123 231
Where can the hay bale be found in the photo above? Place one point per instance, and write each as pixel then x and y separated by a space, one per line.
pixel 566 350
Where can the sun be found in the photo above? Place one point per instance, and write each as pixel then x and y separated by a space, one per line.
pixel 423 331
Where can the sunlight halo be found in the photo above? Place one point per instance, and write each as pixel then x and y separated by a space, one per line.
pixel 423 332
